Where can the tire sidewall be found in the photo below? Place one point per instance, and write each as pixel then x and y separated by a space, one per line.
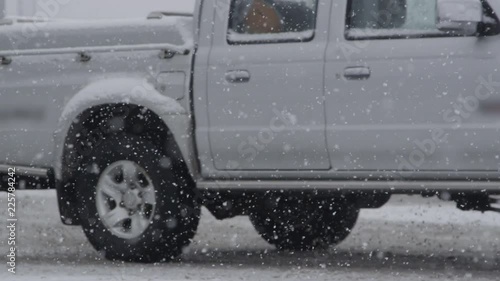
pixel 162 230
pixel 329 226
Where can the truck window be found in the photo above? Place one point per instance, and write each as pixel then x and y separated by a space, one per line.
pixel 391 18
pixel 271 20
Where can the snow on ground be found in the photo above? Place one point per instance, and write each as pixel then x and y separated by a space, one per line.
pixel 411 238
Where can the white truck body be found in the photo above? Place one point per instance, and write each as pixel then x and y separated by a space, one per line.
pixel 386 127
pixel 337 105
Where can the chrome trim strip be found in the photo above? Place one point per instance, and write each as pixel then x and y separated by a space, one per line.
pixel 100 49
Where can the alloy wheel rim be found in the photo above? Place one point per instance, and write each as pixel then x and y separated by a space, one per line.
pixel 125 199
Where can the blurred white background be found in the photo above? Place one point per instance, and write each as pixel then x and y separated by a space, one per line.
pixel 98 9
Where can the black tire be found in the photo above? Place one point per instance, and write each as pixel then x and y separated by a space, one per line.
pixel 302 224
pixel 177 212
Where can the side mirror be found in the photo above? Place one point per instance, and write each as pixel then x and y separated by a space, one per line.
pixel 460 17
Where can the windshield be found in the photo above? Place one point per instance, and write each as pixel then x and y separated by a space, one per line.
pixel 93 9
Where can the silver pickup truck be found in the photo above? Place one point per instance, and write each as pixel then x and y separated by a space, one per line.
pixel 297 113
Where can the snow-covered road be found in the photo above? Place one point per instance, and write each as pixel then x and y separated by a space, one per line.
pixel 409 239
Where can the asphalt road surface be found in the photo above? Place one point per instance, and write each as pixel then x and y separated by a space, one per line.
pixel 411 238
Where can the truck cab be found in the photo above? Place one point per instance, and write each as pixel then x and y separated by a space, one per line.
pixel 295 113
pixel 352 93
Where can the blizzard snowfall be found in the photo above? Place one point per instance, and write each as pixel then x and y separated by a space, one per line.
pixel 411 238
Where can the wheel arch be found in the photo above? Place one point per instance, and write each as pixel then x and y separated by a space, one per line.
pixel 96 104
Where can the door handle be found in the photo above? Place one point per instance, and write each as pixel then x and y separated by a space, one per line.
pixel 357 73
pixel 238 76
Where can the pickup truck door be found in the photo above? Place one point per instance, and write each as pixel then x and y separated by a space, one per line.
pixel 265 86
pixel 402 96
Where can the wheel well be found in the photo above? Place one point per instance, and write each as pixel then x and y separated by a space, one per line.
pixel 92 127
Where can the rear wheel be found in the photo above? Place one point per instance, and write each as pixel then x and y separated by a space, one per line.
pixel 134 204
pixel 296 223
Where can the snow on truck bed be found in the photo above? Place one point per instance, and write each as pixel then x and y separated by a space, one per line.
pixel 63 34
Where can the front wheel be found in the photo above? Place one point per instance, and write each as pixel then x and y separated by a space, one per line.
pixel 301 223
pixel 134 204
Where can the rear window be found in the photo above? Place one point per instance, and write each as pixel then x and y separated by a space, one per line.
pixel 271 20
